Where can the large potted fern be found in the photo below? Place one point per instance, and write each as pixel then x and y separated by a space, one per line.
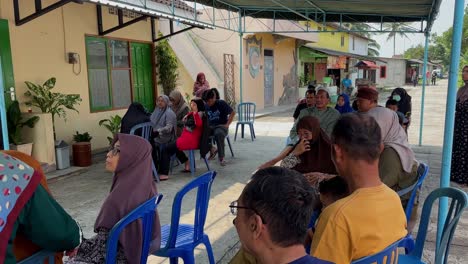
pixel 15 124
pixel 42 97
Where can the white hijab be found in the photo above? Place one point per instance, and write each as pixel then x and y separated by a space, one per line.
pixel 393 135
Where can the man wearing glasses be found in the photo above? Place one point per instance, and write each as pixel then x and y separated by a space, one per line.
pixel 271 218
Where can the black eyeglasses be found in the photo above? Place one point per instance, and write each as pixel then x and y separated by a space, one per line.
pixel 114 150
pixel 235 206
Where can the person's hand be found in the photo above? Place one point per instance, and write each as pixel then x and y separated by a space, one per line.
pixel 184 118
pixel 302 147
pixel 71 253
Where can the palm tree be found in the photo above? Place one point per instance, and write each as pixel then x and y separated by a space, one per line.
pixel 364 29
pixel 395 29
pixel 373 48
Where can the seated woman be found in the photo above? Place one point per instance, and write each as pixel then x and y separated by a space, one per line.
pixel 130 161
pixel 342 104
pixel 180 108
pixel 31 219
pixel 190 139
pixel 164 124
pixel 311 155
pixel 135 115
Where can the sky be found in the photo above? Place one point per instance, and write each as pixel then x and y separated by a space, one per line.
pixel 443 22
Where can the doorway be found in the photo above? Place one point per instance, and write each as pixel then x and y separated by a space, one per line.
pixel 269 77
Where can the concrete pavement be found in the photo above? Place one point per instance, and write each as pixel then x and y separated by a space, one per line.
pixel 82 194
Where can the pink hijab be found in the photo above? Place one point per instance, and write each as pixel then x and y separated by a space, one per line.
pixel 199 87
pixel 132 185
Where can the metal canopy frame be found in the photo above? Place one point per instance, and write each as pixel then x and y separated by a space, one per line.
pixel 39 10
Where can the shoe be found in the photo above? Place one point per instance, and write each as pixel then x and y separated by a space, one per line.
pixel 222 162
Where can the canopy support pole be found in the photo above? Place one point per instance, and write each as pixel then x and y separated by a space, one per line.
pixel 421 121
pixel 241 55
pixel 450 112
pixel 3 118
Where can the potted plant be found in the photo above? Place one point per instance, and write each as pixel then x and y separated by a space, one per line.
pixel 113 125
pixel 82 149
pixel 15 124
pixel 42 97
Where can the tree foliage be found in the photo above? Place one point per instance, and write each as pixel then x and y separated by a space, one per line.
pixel 167 65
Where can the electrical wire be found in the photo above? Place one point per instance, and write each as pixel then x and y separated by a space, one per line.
pixel 79 64
pixel 211 41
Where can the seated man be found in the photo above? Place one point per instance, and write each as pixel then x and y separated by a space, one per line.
pixel 327 116
pixel 220 116
pixel 309 102
pixel 30 212
pixel 271 217
pixel 397 165
pixel 371 217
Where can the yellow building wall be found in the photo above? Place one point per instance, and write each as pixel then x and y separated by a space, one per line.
pixel 330 40
pixel 39 52
pixel 185 82
pixel 253 88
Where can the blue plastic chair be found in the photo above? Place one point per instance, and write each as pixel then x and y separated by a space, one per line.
pixel 386 256
pixel 144 130
pixel 179 240
pixel 246 116
pixel 191 157
pixel 40 257
pixel 423 170
pixel 459 201
pixel 146 212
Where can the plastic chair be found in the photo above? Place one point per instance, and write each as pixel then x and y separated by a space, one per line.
pixel 146 212
pixel 180 240
pixel 459 201
pixel 386 256
pixel 191 157
pixel 40 257
pixel 423 170
pixel 246 113
pixel 144 130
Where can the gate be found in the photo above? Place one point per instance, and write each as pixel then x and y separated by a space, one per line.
pixel 229 88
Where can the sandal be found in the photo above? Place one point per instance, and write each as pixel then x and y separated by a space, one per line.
pixel 163 177
pixel 213 154
pixel 185 171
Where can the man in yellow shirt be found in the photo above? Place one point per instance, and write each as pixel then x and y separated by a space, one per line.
pixel 371 218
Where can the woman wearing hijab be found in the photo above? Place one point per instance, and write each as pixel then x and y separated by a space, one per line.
pixel 460 136
pixel 180 108
pixel 190 139
pixel 312 153
pixel 342 104
pixel 135 115
pixel 132 185
pixel 164 121
pixel 404 102
pixel 200 85
pixel 28 212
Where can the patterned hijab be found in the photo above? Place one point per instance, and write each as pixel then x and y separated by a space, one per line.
pixel 318 158
pixel 160 113
pixel 18 182
pixel 132 185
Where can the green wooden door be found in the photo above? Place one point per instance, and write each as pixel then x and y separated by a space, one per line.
pixel 5 57
pixel 142 73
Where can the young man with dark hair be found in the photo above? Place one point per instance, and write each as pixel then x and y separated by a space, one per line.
pixel 371 218
pixel 309 102
pixel 220 116
pixel 272 215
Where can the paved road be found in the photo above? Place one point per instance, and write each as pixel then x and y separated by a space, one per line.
pixel 82 194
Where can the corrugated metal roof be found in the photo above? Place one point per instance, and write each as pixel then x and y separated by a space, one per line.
pixel 376 11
